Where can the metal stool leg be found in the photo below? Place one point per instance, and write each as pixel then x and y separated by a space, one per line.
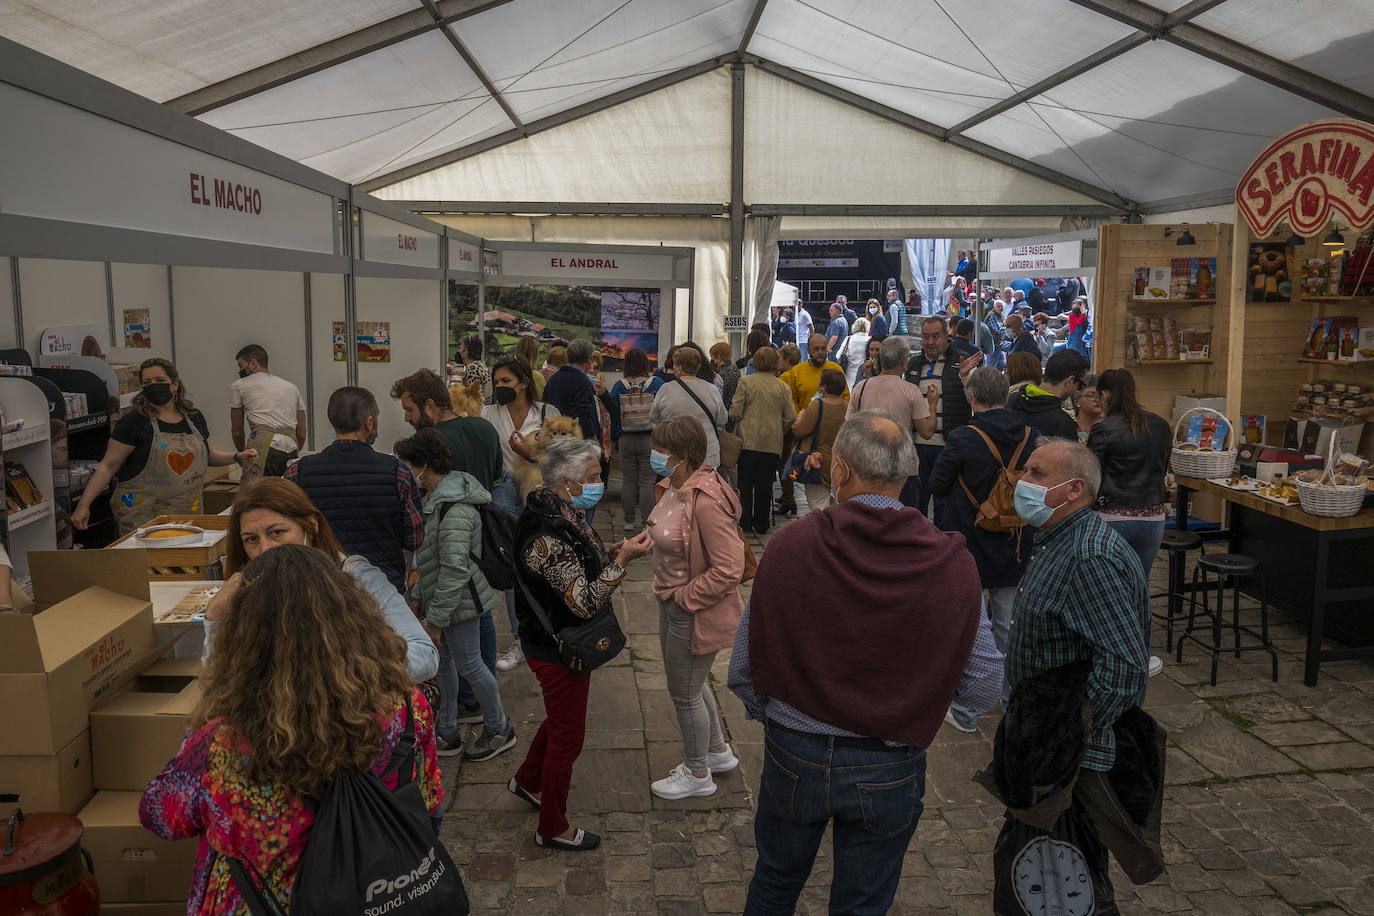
pixel 1192 613
pixel 1217 617
pixel 1264 624
pixel 1235 612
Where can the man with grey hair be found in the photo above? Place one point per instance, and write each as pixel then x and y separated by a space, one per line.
pixel 1082 600
pixel 571 391
pixel 891 393
pixel 370 499
pixel 849 684
pixel 965 475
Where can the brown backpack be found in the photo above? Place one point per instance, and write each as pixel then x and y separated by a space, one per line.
pixel 998 511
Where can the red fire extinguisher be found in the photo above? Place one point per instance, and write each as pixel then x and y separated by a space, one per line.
pixel 42 872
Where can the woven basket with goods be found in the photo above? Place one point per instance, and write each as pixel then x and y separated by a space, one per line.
pixel 1337 491
pixel 1205 460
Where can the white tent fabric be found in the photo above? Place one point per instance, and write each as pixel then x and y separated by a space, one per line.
pixel 1171 99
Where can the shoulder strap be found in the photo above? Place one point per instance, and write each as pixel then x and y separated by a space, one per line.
pixel 820 415
pixel 710 418
pixel 859 389
pixel 1016 455
pixel 997 456
pixel 253 889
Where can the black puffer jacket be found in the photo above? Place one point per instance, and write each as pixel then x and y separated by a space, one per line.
pixel 954 407
pixel 1133 463
pixel 1043 413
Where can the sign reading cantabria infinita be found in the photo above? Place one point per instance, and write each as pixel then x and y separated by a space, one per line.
pixel 1309 175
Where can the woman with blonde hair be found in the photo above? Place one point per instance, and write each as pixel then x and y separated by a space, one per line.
pixel 157 455
pixel 273 512
pixel 527 348
pixel 763 409
pixel 852 352
pixel 698 562
pixel 281 711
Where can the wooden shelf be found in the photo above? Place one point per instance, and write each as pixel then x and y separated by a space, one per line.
pixel 1315 299
pixel 1133 301
pixel 1338 363
pixel 1174 362
pixel 33 513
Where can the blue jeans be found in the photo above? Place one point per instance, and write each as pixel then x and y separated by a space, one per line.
pixel 1144 536
pixel 927 455
pixel 506 495
pixel 999 604
pixel 461 650
pixel 873 796
pixel 487 630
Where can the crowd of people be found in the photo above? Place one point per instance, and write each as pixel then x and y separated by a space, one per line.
pixel 362 586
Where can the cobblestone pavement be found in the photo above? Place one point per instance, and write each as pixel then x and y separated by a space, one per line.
pixel 1269 807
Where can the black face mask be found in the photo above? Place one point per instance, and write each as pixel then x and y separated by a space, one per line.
pixel 503 394
pixel 158 393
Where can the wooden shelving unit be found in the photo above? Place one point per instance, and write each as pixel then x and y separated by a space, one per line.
pixel 1338 363
pixel 1174 362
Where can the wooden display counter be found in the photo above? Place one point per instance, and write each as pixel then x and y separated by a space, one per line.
pixel 197 562
pixel 1317 569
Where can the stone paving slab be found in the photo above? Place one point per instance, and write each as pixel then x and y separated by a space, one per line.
pixel 1269 804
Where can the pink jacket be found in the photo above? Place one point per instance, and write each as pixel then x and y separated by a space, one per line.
pixel 715 560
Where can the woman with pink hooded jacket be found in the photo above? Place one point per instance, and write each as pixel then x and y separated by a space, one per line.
pixel 698 564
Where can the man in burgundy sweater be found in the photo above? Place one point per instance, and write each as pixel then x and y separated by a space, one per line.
pixel 851 685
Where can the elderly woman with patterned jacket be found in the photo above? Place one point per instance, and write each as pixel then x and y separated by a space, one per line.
pixel 698 563
pixel 567 570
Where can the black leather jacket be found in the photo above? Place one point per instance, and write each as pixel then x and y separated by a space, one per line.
pixel 1133 464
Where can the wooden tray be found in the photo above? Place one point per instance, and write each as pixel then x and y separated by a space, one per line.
pixel 183 562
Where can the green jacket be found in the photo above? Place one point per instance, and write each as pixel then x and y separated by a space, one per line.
pixel 443 558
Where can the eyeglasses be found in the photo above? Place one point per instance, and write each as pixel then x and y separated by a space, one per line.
pixel 1087 394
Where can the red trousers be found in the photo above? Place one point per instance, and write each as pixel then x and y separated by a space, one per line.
pixel 549 764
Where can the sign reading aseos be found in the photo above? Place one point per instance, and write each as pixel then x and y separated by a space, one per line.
pixel 1309 172
pixel 583 263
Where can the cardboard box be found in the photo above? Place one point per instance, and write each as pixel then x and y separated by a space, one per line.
pixel 1279 462
pixel 132 864
pixel 55 666
pixel 53 782
pixel 137 731
pixel 1190 402
pixel 60 574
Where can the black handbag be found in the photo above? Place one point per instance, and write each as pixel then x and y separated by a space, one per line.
pixel 796 469
pixel 582 646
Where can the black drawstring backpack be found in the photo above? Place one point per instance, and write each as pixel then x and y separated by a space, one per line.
pixel 371 850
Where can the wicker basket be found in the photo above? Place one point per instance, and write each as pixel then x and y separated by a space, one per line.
pixel 1331 500
pixel 1203 465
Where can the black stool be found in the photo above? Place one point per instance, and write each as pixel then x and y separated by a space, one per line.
pixel 1229 568
pixel 1177 543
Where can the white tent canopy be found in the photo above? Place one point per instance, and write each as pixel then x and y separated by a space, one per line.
pixel 885 117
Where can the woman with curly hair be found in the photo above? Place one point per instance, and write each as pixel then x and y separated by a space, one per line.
pixel 281 711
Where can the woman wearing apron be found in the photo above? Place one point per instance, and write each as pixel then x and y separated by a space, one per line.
pixel 157 454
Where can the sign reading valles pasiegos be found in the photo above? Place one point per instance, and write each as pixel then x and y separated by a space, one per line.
pixel 1042 256
pixel 1310 174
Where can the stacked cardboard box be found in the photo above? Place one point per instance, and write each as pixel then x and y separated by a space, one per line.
pixel 90 705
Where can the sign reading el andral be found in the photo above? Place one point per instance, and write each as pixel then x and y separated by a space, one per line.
pixel 1309 172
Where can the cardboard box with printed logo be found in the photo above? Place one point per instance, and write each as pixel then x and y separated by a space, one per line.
pixel 134 865
pixel 56 665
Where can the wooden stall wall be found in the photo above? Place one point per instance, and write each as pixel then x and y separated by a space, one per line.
pixel 1274 336
pixel 1122 249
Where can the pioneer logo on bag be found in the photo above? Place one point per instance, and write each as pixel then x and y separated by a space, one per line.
pixel 383 886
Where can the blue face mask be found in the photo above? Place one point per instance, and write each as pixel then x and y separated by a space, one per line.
pixel 590 495
pixel 1030 502
pixel 659 462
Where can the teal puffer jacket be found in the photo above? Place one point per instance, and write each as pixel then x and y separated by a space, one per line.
pixel 443 558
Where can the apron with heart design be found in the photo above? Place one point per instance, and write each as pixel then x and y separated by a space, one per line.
pixel 169 484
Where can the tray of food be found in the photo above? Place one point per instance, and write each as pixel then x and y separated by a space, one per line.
pixel 163 536
pixel 1280 491
pixel 1238 482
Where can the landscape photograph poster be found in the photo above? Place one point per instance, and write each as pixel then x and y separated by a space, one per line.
pixel 629 320
pixel 138 329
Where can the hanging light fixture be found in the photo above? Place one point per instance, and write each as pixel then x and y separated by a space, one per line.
pixel 1186 238
pixel 1294 240
pixel 1335 239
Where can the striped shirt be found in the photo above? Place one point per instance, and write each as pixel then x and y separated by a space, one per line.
pixel 1084 596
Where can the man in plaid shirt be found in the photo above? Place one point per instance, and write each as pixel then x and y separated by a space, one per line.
pixel 1083 597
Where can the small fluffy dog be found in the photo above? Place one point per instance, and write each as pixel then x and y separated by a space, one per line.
pixel 467 402
pixel 527 475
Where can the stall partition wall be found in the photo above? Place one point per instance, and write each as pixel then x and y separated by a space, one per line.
pixel 221 311
pixel 8 340
pixel 143 286
pixel 412 305
pixel 327 305
pixel 56 293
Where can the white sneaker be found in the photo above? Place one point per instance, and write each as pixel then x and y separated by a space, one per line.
pixel 682 784
pixel 1156 665
pixel 723 762
pixel 510 660
pixel 949 717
